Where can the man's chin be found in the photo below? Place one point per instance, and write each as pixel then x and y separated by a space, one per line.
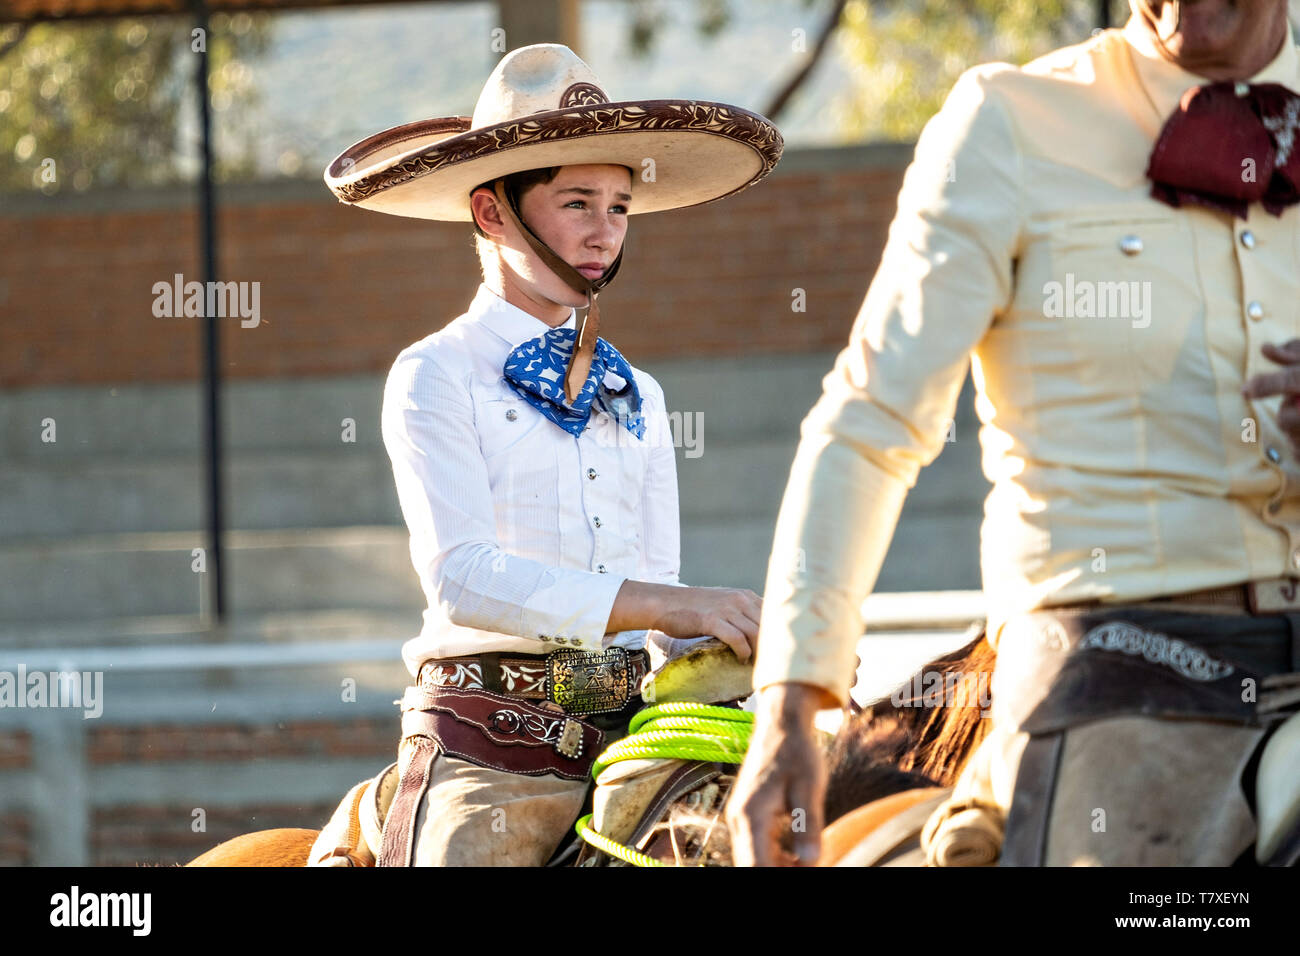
pixel 1203 33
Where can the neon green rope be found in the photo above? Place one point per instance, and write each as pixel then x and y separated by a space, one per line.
pixel 600 842
pixel 681 731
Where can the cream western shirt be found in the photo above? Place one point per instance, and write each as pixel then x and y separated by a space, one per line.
pixel 1109 336
pixel 521 534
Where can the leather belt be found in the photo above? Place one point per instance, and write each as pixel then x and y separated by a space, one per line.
pixel 1270 596
pixel 580 682
pixel 1234 596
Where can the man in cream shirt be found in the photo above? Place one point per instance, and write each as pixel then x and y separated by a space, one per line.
pixel 1124 355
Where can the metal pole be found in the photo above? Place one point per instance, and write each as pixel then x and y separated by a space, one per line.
pixel 539 21
pixel 216 609
pixel 1103 14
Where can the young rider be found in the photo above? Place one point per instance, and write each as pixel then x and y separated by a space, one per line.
pixel 534 465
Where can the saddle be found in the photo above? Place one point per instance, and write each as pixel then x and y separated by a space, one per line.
pixel 1277 797
pixel 356 829
pixel 885 832
pixel 1158 688
pixel 631 797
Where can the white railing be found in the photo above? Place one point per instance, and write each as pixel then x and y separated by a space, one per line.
pixel 904 611
pixel 59 791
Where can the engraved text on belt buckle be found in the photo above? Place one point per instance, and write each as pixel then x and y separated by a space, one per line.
pixel 586 682
pixel 1277 594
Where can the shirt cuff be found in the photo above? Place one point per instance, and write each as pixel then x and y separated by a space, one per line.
pixel 571 608
pixel 787 657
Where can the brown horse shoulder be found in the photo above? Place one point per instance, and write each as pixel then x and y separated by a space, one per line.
pixel 285 847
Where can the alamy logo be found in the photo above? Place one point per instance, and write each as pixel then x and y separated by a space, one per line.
pixel 953 689
pixel 685 430
pixel 54 689
pixel 198 299
pixel 75 908
pixel 1084 299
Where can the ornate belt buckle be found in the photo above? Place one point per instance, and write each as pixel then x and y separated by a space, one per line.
pixel 586 682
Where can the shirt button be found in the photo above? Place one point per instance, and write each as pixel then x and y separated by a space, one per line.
pixel 1274 507
pixel 511 414
pixel 1273 454
pixel 1248 239
pixel 600 569
pixel 591 473
pixel 596 521
pixel 1130 245
pixel 1255 310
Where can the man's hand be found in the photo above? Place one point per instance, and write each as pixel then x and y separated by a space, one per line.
pixel 1286 383
pixel 782 783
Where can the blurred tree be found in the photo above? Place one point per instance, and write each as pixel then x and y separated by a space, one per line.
pixel 908 53
pixel 650 16
pixel 99 104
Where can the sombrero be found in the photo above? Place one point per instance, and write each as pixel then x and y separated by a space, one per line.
pixel 541 107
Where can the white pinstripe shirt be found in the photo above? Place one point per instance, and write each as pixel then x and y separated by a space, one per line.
pixel 521 534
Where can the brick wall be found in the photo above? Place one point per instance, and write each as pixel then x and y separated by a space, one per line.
pixel 15 840
pixel 15 828
pixel 215 742
pixel 150 835
pixel 161 834
pixel 15 750
pixel 343 290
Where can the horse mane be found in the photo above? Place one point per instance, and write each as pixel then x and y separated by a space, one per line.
pixel 912 740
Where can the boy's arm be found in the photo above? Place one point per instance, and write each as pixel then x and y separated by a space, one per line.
pixel 445 494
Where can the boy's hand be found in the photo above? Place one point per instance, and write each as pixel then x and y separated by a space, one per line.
pixel 729 614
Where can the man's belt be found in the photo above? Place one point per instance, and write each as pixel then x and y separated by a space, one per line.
pixel 1270 596
pixel 580 682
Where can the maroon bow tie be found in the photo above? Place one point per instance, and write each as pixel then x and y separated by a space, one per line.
pixel 1228 145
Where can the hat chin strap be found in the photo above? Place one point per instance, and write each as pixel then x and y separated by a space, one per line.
pixel 588 322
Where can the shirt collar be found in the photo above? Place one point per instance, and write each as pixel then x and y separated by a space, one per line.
pixel 1166 82
pixel 509 321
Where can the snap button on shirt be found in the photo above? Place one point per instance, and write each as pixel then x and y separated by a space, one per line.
pixel 1130 245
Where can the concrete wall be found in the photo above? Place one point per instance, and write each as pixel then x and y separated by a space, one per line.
pixel 100 524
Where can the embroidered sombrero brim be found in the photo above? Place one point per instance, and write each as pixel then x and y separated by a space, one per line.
pixel 681 153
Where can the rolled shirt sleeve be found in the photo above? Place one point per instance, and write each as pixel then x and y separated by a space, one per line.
pixel 886 406
pixel 445 495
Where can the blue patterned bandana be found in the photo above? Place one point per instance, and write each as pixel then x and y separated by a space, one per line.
pixel 536 371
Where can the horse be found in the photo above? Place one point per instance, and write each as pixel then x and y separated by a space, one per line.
pixel 889 760
pixel 885 760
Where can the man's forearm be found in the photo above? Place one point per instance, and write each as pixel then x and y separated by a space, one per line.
pixel 795 704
